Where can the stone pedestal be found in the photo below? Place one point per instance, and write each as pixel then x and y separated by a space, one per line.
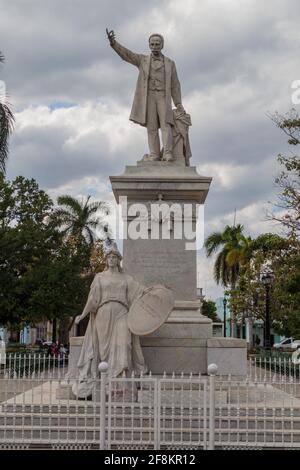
pixel 160 254
pixel 166 197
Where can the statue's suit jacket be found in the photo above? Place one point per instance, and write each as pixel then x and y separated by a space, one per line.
pixel 139 106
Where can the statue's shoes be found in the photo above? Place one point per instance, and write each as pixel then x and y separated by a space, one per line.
pixel 168 157
pixel 151 157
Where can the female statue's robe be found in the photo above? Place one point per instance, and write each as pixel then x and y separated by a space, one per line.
pixel 108 337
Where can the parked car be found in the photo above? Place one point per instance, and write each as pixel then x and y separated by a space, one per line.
pixel 286 344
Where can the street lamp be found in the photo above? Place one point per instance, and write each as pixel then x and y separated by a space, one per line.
pixel 224 305
pixel 266 280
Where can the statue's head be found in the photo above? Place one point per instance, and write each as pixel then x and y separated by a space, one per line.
pixel 113 257
pixel 156 43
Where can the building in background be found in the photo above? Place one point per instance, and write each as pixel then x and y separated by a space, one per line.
pixel 250 330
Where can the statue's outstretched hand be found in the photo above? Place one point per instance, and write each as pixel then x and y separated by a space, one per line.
pixel 77 319
pixel 111 36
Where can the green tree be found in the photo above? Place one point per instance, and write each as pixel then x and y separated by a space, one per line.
pixel 247 299
pixel 26 240
pixel 286 309
pixel 262 251
pixel 6 127
pixel 79 219
pixel 97 258
pixel 209 309
pixel 58 287
pixel 287 211
pixel 286 291
pixel 42 274
pixel 232 248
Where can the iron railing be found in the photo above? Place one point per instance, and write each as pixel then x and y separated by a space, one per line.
pixel 259 410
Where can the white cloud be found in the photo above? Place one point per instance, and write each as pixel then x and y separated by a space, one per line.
pixel 225 175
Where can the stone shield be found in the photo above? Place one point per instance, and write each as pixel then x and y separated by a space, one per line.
pixel 151 310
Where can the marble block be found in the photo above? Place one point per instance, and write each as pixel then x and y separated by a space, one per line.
pixel 179 345
pixel 230 355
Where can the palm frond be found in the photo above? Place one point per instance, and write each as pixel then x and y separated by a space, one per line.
pixel 220 274
pixel 98 206
pixel 6 127
pixel 233 257
pixel 79 216
pixel 233 246
pixel 70 203
pixel 91 235
pixel 213 242
pixel 61 217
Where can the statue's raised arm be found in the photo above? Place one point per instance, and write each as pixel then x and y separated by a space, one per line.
pixel 156 87
pixel 123 52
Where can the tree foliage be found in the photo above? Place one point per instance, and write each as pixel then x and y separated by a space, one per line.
pixel 231 247
pixel 26 241
pixel 80 219
pixel 40 271
pixel 287 207
pixel 209 309
pixel 6 127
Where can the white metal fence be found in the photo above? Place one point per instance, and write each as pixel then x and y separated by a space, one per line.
pixel 260 410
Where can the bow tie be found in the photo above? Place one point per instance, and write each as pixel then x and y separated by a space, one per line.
pixel 157 58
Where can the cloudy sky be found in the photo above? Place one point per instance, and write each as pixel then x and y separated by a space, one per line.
pixel 236 60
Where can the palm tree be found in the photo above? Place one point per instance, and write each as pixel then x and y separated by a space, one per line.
pixel 79 219
pixel 6 126
pixel 234 253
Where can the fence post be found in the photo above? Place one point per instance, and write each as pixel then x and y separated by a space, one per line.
pixel 103 367
pixel 212 370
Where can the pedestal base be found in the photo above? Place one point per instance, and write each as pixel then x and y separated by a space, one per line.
pixel 183 344
pixel 179 345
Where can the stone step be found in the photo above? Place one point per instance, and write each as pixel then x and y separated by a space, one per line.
pixel 138 415
pixel 145 435
pixel 147 424
pixel 88 409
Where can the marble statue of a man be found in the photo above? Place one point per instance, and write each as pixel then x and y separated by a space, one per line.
pixel 156 86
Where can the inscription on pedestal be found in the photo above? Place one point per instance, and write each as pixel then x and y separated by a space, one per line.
pixel 162 262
